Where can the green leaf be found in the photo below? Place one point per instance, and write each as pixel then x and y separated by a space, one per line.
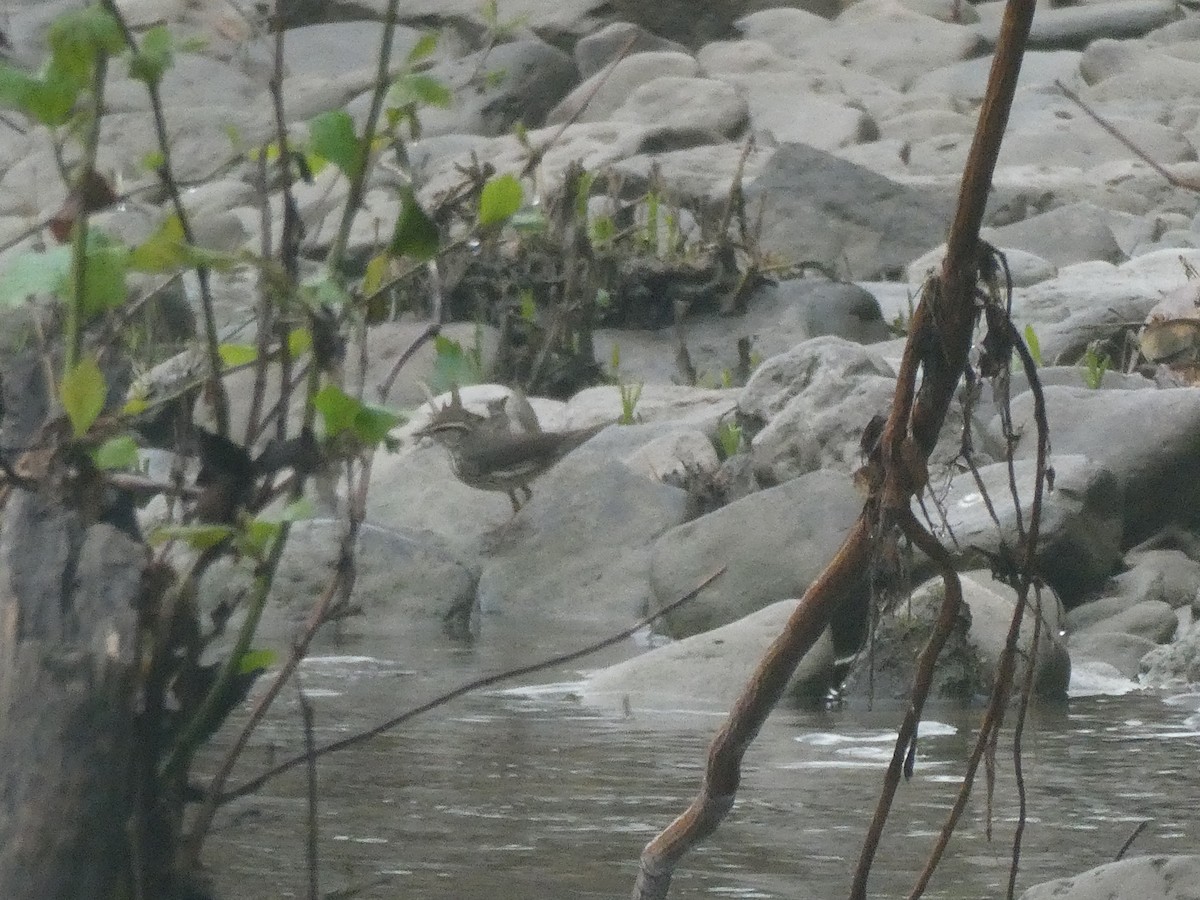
pixel 452 366
pixel 1035 347
pixel 376 274
pixel 33 274
pixel 234 355
pixel 163 251
pixel 198 537
pixel 372 424
pixel 82 392
pixel 298 510
pixel 299 341
pixel 75 39
pixel 416 88
pixel 331 135
pixel 336 408
pixel 154 56
pixel 256 537
pixel 51 99
pixel 425 46
pixel 499 199
pixel 103 278
pixel 603 231
pixel 201 257
pixel 120 452
pixel 415 234
pixel 14 87
pixel 528 307
pixel 324 292
pixel 341 412
pixel 256 661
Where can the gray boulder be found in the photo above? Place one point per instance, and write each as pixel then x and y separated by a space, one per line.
pixel 1170 576
pixel 1123 652
pixel 773 544
pixel 820 209
pixel 1074 27
pixel 601 94
pixel 576 559
pixel 1137 878
pixel 1148 440
pixel 596 51
pixel 686 105
pixel 1151 619
pixel 806 409
pixel 1065 235
pixel 406 583
pixel 797 309
pixel 709 669
pixel 1080 539
pixel 969 663
pixel 534 76
pixel 1173 664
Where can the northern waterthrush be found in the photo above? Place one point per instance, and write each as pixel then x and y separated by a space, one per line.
pixel 486 454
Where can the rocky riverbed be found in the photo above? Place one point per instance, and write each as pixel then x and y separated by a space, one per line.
pixel 848 128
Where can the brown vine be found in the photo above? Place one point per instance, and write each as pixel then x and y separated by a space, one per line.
pixel 939 339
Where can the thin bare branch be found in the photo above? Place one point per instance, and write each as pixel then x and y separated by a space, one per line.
pixel 166 173
pixel 257 782
pixel 1186 183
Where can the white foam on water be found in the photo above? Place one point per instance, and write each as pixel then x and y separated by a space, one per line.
pixel 1094 678
pixel 928 728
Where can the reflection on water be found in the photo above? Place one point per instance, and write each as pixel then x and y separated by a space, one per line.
pixel 522 794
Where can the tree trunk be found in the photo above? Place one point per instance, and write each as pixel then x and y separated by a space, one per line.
pixel 68 618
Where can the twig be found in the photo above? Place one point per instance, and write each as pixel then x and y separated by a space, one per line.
pixel 922 680
pixel 166 173
pixel 306 712
pixel 79 244
pixel 255 783
pixel 358 182
pixel 1175 180
pixel 722 774
pixel 538 154
pixel 1133 835
pixel 432 330
pixel 994 715
pixel 1018 732
pixel 204 815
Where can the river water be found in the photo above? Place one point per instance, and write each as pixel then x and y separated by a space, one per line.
pixel 525 793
